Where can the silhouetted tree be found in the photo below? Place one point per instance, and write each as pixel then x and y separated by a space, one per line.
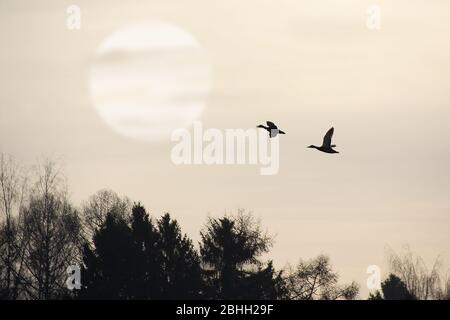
pixel 12 193
pixel 139 261
pixel 230 249
pixel 180 264
pixel 422 283
pixel 315 279
pixel 51 228
pixel 395 289
pixel 107 271
pixel 12 257
pixel 263 284
pixel 147 278
pixel 100 204
pixel 375 296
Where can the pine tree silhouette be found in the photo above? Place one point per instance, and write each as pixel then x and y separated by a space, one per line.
pixel 180 264
pixel 108 267
pixel 230 249
pixel 395 289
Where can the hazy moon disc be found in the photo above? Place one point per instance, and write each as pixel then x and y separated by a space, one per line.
pixel 148 79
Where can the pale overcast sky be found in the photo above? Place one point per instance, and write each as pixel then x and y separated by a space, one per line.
pixel 307 66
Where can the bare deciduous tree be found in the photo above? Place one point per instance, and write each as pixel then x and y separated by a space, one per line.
pixel 421 282
pixel 315 279
pixel 51 228
pixel 12 191
pixel 95 210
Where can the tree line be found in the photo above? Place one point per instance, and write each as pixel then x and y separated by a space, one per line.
pixel 410 279
pixel 125 253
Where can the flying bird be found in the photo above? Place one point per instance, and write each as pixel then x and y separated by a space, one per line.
pixel 272 128
pixel 326 145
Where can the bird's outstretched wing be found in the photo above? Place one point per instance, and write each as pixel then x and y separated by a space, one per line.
pixel 327 138
pixel 271 125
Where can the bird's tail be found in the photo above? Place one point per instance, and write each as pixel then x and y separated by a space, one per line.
pixel 333 146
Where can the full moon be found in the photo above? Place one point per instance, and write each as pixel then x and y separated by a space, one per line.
pixel 148 79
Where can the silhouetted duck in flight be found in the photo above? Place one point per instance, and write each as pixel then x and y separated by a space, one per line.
pixel 326 145
pixel 272 128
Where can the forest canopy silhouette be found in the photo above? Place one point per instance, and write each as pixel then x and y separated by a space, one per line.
pixel 124 252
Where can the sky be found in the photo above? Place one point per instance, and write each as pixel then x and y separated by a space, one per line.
pixel 306 65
